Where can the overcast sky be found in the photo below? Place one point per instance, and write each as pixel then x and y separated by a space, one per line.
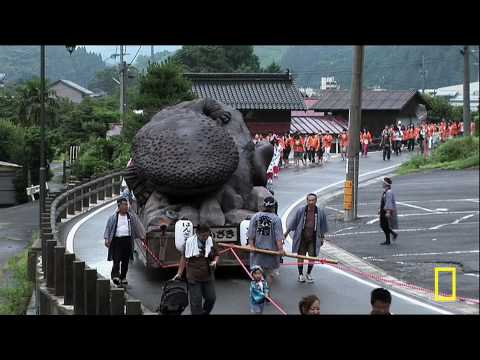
pixel 107 50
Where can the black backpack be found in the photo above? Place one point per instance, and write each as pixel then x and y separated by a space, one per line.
pixel 174 298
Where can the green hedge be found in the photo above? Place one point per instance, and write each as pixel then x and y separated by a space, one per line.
pixel 455 154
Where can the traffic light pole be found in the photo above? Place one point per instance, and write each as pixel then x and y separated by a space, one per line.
pixel 354 120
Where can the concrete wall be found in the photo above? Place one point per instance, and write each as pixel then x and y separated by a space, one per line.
pixel 65 91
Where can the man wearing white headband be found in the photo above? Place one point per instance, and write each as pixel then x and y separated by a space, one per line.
pixel 388 211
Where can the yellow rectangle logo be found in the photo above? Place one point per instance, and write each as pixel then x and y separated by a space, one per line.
pixel 453 297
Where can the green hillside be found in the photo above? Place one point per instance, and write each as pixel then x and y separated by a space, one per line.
pixel 391 67
pixel 269 54
pixel 22 63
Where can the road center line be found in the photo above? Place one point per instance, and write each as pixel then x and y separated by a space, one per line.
pixel 415 206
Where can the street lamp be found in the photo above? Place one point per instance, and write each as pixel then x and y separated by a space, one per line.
pixel 43 171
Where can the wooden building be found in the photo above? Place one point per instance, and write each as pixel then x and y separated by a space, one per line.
pixel 379 108
pixel 265 100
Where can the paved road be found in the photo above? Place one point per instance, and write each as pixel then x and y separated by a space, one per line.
pixel 439 227
pixel 340 293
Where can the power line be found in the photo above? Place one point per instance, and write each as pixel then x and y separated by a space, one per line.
pixel 135 55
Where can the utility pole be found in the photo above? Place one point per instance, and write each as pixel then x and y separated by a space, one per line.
pixel 123 85
pixel 42 174
pixel 424 74
pixel 354 120
pixel 466 91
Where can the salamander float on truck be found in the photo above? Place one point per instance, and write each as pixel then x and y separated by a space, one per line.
pixel 195 161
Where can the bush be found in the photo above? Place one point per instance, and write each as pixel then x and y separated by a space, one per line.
pixel 14 297
pixel 101 155
pixel 455 154
pixel 456 149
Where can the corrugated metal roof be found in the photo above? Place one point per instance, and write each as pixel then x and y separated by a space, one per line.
pixel 309 125
pixel 260 91
pixel 371 100
pixel 74 86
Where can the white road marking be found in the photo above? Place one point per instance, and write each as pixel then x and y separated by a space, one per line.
pixel 456 222
pixel 332 208
pixel 414 206
pixel 438 253
pixel 470 274
pixel 376 218
pixel 73 231
pixel 426 201
pixel 462 218
pixel 404 230
pixel 441 209
pixel 348 228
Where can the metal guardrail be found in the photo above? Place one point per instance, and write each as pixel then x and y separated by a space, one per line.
pixel 81 196
pixel 62 274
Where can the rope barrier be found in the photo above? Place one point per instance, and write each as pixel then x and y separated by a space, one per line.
pixel 377 278
pixel 251 278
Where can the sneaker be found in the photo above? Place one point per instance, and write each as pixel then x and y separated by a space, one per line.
pixel 309 278
pixel 124 282
pixel 384 243
pixel 116 281
pixel 395 235
pixel 301 278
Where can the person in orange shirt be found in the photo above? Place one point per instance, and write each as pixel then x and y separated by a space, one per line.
pixel 365 139
pixel 453 130
pixel 410 138
pixel 344 143
pixel 311 145
pixel 327 144
pixel 298 149
pixel 319 148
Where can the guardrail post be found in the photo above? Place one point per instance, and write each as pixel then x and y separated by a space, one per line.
pixel 134 307
pixel 78 201
pixel 32 265
pixel 86 199
pixel 101 192
pixel 117 301
pixel 116 184
pixel 108 190
pixel 103 297
pixel 59 270
pixel 93 194
pixel 62 214
pixel 90 291
pixel 51 263
pixel 68 279
pixel 78 287
pixel 71 203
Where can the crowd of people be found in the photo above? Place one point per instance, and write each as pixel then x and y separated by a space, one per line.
pixel 427 136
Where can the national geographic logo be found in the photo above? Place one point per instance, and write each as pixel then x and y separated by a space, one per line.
pixel 453 296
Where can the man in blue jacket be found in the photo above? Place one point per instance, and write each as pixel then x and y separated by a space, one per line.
pixel 309 225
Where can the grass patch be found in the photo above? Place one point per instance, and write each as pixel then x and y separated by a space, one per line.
pixel 16 290
pixel 455 154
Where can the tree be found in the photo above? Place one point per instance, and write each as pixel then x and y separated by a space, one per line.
pixel 440 108
pixel 273 68
pixel 28 102
pixel 214 58
pixel 142 61
pixel 163 85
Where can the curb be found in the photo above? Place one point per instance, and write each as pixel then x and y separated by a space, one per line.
pixel 357 263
